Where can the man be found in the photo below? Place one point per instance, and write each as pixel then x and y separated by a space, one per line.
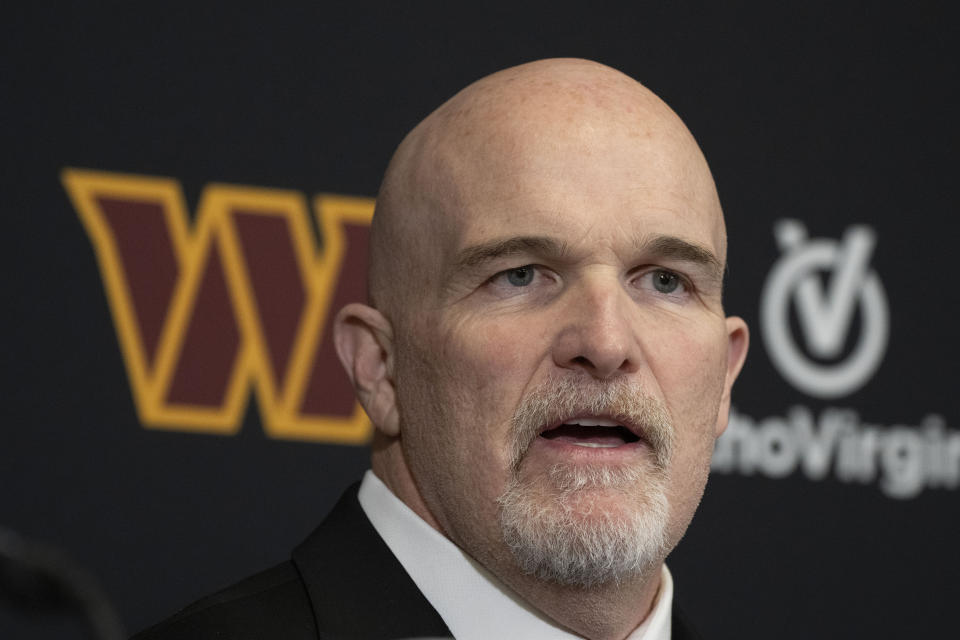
pixel 547 364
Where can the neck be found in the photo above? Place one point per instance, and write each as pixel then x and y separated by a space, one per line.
pixel 601 612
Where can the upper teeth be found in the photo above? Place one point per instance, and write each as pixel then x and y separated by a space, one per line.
pixel 594 422
pixel 596 445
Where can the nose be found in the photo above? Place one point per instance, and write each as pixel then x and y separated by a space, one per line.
pixel 598 335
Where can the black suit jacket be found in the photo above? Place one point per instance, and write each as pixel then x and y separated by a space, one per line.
pixel 341 583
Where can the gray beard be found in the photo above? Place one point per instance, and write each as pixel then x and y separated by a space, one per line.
pixel 554 530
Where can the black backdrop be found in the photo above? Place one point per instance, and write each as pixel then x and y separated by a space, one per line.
pixel 831 114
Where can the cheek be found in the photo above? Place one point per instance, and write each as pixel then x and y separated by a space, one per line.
pixel 458 392
pixel 492 348
pixel 491 363
pixel 689 365
pixel 491 366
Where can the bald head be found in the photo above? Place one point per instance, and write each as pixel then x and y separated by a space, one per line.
pixel 549 119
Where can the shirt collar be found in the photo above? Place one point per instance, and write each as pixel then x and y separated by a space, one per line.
pixel 448 578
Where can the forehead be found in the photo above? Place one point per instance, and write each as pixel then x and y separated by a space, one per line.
pixel 587 187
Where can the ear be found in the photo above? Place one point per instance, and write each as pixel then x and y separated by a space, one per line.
pixel 364 341
pixel 738 341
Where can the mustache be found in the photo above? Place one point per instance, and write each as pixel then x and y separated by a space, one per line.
pixel 626 402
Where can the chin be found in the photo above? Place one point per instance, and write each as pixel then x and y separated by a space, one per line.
pixel 584 527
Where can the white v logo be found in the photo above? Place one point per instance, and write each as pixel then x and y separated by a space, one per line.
pixel 825 309
pixel 825 313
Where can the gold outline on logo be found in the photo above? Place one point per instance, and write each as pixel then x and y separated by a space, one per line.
pixel 214 223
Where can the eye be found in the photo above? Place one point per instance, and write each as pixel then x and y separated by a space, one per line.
pixel 521 276
pixel 663 282
pixel 666 281
pixel 528 282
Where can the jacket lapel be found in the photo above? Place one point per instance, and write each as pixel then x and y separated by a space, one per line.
pixel 357 588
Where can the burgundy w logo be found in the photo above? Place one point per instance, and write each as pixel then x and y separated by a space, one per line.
pixel 240 301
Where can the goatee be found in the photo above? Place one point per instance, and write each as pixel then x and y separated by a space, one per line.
pixel 583 526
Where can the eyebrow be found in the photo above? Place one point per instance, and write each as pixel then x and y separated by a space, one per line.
pixel 678 249
pixel 477 255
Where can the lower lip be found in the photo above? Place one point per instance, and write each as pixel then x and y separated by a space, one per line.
pixel 568 449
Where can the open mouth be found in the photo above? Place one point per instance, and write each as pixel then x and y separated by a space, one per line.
pixel 596 433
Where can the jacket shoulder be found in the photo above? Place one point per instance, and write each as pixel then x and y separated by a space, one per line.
pixel 681 628
pixel 272 603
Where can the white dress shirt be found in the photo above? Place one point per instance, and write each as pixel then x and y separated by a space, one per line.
pixel 471 601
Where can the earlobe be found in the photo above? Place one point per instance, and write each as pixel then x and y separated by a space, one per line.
pixel 364 341
pixel 738 342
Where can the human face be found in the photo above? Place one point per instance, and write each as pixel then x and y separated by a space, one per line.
pixel 593 261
